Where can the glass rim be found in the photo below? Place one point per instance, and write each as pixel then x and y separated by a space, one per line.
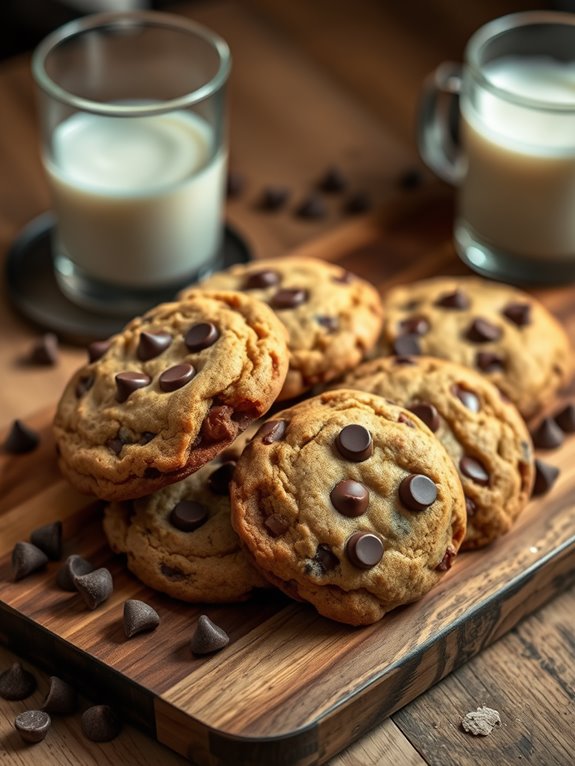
pixel 500 26
pixel 127 20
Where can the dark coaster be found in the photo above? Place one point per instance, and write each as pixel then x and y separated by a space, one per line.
pixel 35 293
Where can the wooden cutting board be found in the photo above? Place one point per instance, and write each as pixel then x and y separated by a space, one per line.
pixel 291 687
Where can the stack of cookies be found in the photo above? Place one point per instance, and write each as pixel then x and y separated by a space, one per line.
pixel 356 499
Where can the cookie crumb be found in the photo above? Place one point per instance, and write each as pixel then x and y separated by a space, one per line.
pixel 481 722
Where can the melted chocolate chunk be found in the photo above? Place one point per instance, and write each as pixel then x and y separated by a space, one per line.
pixel 83 385
pixel 151 345
pixel 172 573
pixel 483 331
pixel 350 498
pixel 455 300
pixel 488 361
pixel 545 477
pixel 219 480
pixel 188 515
pixel 208 637
pixel 289 298
pixel 201 336
pixel 128 382
pixel 428 413
pixel 415 325
pixel 548 435
pixel 417 492
pixel 354 443
pixel 21 439
pixel 272 431
pixel 325 559
pixel 406 345
pixel 176 377
pixel 447 560
pixel 364 550
pixel 218 425
pixel 466 397
pixel 116 444
pixel 276 524
pixel 97 349
pixel 518 313
pixel 474 470
pixel 139 617
pixel 259 280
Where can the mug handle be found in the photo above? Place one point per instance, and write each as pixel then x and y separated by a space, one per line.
pixel 438 120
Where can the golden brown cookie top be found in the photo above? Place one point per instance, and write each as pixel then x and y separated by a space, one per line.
pixel 349 502
pixel 168 393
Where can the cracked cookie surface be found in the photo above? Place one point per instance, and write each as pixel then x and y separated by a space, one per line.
pixel 168 393
pixel 333 318
pixel 349 502
pixel 484 435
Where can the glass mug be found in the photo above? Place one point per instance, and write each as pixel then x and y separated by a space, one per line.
pixel 133 117
pixel 511 148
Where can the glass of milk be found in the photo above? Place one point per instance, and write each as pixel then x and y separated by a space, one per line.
pixel 502 129
pixel 133 117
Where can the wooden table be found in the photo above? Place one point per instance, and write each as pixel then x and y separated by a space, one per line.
pixel 313 84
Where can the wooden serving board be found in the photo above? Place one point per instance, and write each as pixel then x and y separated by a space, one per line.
pixel 291 687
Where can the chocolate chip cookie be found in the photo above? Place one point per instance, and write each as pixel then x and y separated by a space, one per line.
pixel 349 502
pixel 333 318
pixel 164 396
pixel 483 433
pixel 180 541
pixel 498 330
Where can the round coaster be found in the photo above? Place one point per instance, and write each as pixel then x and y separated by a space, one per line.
pixel 35 293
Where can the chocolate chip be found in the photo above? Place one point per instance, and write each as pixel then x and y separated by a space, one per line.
pixel 74 566
pixel 350 498
pixel 518 313
pixel 547 435
pixel 405 420
pixel 410 179
pixel 128 382
pixel 172 573
pixel 259 280
pixel 470 506
pixel 139 617
pixel 289 298
pixel 218 425
pixel 208 637
pixel 447 560
pixel 100 724
pixel 45 350
pixel 272 431
pixel 331 324
pixel 276 524
pixel 273 198
pixel 466 397
pixel 483 331
pixel 454 300
pixel 146 438
pixel 97 349
pixel 201 335
pixel 27 558
pixel 565 419
pixel 415 325
pixel 359 202
pixel 488 361
pixel 152 344
pixel 188 515
pixel 354 443
pixel 32 725
pixel 333 180
pixel 235 184
pixel 61 699
pixel 83 385
pixel 21 439
pixel 116 444
pixel 94 587
pixel 219 480
pixel 312 207
pixel 16 683
pixel 417 492
pixel 545 477
pixel 474 470
pixel 176 377
pixel 49 539
pixel 406 345
pixel 364 550
pixel 325 559
pixel 428 413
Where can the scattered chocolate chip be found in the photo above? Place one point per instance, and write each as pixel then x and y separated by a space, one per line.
pixel 172 573
pixel 97 349
pixel 547 435
pixel 331 324
pixel 474 470
pixel 466 397
pixel 359 202
pixel 61 699
pixel 333 180
pixel 95 587
pixel 152 344
pixel 27 558
pixel 565 419
pixel 83 385
pixel 428 413
pixel 116 444
pixel 406 345
pixel 176 377
pixel 273 198
pixel 218 425
pixel 201 335
pixel 483 331
pixel 45 350
pixel 272 431
pixel 447 560
pixel 235 184
pixel 410 179
pixel 518 313
pixel 49 539
pixel 289 298
pixel 454 300
pixel 258 280
pixel 354 443
pixel 21 439
pixel 325 559
pixel 312 207
pixel 188 515
pixel 350 498
pixel 128 382
pixel 417 492
pixel 74 566
pixel 415 325
pixel 100 724
pixel 545 477
pixel 208 637
pixel 276 524
pixel 139 617
pixel 16 683
pixel 488 361
pixel 364 550
pixel 32 725
pixel 219 480
pixel 470 506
